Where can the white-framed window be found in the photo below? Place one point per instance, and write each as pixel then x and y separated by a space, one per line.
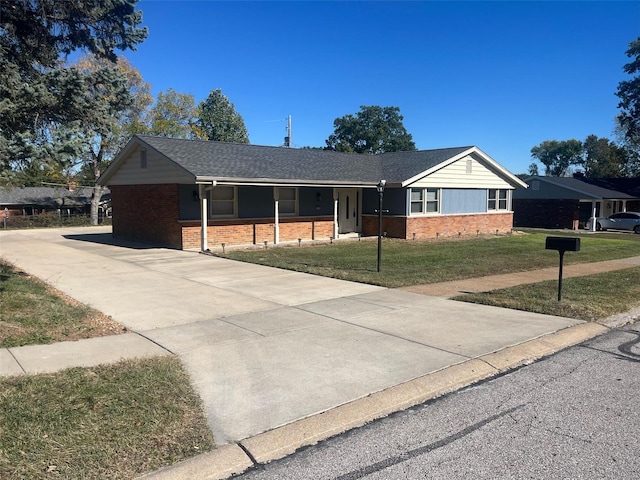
pixel 425 201
pixel 288 201
pixel 417 200
pixel 497 199
pixel 223 201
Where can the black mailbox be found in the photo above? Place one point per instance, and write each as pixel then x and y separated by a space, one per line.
pixel 563 244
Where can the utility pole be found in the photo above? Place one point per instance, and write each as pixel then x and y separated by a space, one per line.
pixel 287 139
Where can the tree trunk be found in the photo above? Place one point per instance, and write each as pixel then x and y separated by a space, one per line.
pixel 97 189
pixel 95 203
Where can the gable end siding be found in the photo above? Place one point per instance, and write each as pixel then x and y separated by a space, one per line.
pixel 158 170
pixel 455 176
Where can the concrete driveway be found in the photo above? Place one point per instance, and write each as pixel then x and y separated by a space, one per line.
pixel 265 347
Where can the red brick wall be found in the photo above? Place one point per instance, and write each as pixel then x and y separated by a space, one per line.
pixel 439 226
pixel 395 226
pixel 306 229
pixel 256 231
pixel 147 213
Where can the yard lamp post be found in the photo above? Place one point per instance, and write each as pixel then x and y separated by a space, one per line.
pixel 380 188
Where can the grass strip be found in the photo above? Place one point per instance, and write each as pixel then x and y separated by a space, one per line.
pixel 32 312
pixel 406 262
pixel 589 298
pixel 112 421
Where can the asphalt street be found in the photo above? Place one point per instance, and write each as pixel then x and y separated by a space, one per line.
pixel 572 415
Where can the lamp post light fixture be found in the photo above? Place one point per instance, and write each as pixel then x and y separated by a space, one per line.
pixel 380 188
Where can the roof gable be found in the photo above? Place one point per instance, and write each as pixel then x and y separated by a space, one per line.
pixel 410 167
pixel 401 167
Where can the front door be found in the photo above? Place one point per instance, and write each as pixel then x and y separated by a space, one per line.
pixel 348 210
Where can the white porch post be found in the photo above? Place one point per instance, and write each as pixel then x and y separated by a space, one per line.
pixel 335 213
pixel 593 215
pixel 276 198
pixel 624 205
pixel 203 218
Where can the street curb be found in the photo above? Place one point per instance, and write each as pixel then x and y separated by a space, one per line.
pixel 218 464
pixel 274 444
pixel 527 352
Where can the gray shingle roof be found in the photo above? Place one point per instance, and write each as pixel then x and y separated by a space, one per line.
pixel 630 186
pixel 47 196
pixel 580 185
pixel 244 161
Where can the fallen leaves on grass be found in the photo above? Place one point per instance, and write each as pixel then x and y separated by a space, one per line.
pixel 112 421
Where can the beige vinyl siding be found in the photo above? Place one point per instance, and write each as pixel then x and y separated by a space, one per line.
pixel 158 170
pixel 466 172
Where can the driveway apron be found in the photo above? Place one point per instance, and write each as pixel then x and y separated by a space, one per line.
pixel 265 347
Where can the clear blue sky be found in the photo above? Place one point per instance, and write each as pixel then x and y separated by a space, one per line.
pixel 500 75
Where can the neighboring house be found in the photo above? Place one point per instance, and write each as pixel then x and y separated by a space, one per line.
pixel 69 200
pixel 569 202
pixel 199 194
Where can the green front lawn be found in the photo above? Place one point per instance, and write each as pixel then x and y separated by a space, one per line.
pixel 587 298
pixel 406 262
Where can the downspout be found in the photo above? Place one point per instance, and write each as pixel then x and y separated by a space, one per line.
pixel 276 198
pixel 335 213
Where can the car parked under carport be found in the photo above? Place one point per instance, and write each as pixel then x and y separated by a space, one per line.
pixel 620 221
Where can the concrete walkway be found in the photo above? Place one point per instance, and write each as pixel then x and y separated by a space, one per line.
pixel 268 349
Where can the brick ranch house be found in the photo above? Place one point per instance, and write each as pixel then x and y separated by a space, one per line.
pixel 570 202
pixel 190 194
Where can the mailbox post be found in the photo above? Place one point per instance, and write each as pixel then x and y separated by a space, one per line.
pixel 562 244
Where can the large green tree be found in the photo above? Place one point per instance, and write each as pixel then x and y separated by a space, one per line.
pixel 603 158
pixel 174 114
pixel 43 101
pixel 219 121
pixel 558 156
pixel 124 101
pixel 629 94
pixel 372 130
